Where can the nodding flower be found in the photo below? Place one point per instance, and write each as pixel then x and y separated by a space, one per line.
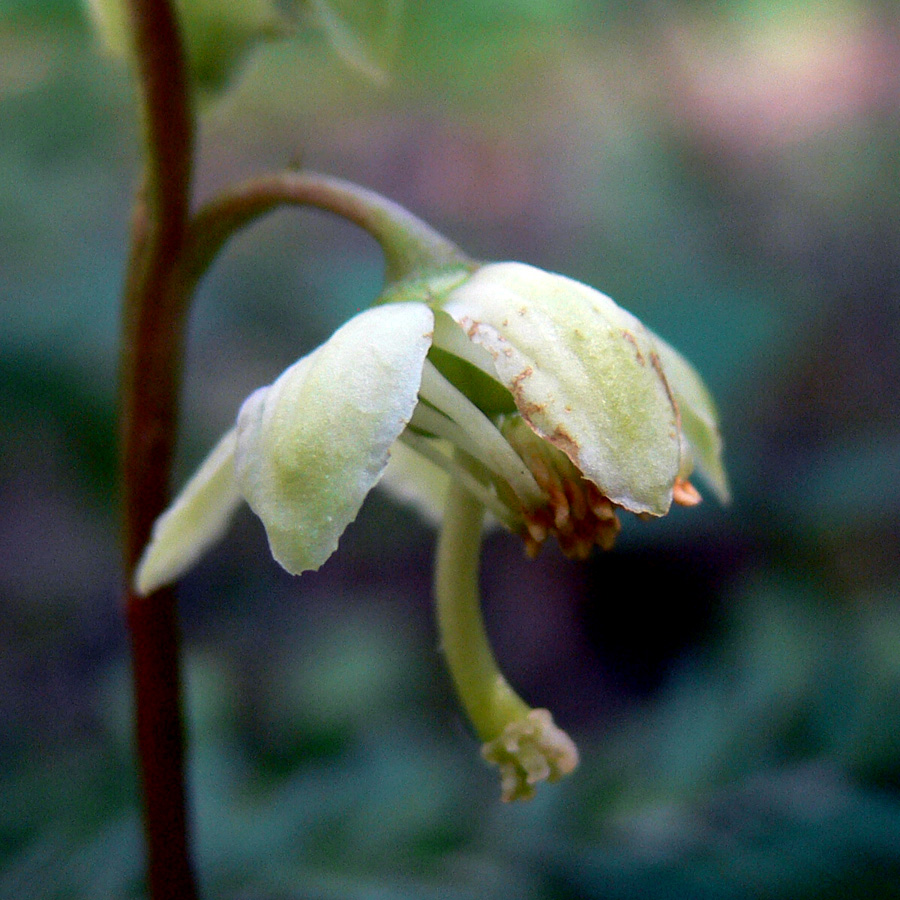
pixel 499 387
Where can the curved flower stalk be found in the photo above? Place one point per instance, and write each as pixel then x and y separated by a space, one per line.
pixel 503 387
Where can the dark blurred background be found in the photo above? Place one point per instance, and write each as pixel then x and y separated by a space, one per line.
pixel 726 170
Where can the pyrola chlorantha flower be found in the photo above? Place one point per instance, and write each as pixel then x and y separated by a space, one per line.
pixel 567 406
pixel 534 395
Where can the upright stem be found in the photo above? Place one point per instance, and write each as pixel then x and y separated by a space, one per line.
pixel 489 701
pixel 153 328
pixel 155 297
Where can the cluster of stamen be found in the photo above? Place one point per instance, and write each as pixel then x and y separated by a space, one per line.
pixel 531 485
pixel 575 511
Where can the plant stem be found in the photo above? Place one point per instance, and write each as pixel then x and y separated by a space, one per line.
pixel 489 701
pixel 154 307
pixel 410 246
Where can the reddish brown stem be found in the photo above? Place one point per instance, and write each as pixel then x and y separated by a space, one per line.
pixel 160 740
pixel 153 329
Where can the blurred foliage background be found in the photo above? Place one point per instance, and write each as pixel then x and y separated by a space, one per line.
pixel 726 170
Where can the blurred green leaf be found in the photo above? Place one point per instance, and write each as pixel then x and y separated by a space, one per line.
pixel 366 34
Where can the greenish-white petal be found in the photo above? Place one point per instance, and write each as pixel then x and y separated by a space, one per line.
pixel 195 521
pixel 699 419
pixel 584 374
pixel 312 445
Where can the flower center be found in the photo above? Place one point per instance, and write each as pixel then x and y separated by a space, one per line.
pixel 533 488
pixel 575 511
pixel 529 485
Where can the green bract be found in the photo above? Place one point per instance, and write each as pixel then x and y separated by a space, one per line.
pixel 508 342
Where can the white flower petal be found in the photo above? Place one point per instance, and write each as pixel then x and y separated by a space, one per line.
pixel 312 446
pixel 196 520
pixel 584 374
pixel 699 419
